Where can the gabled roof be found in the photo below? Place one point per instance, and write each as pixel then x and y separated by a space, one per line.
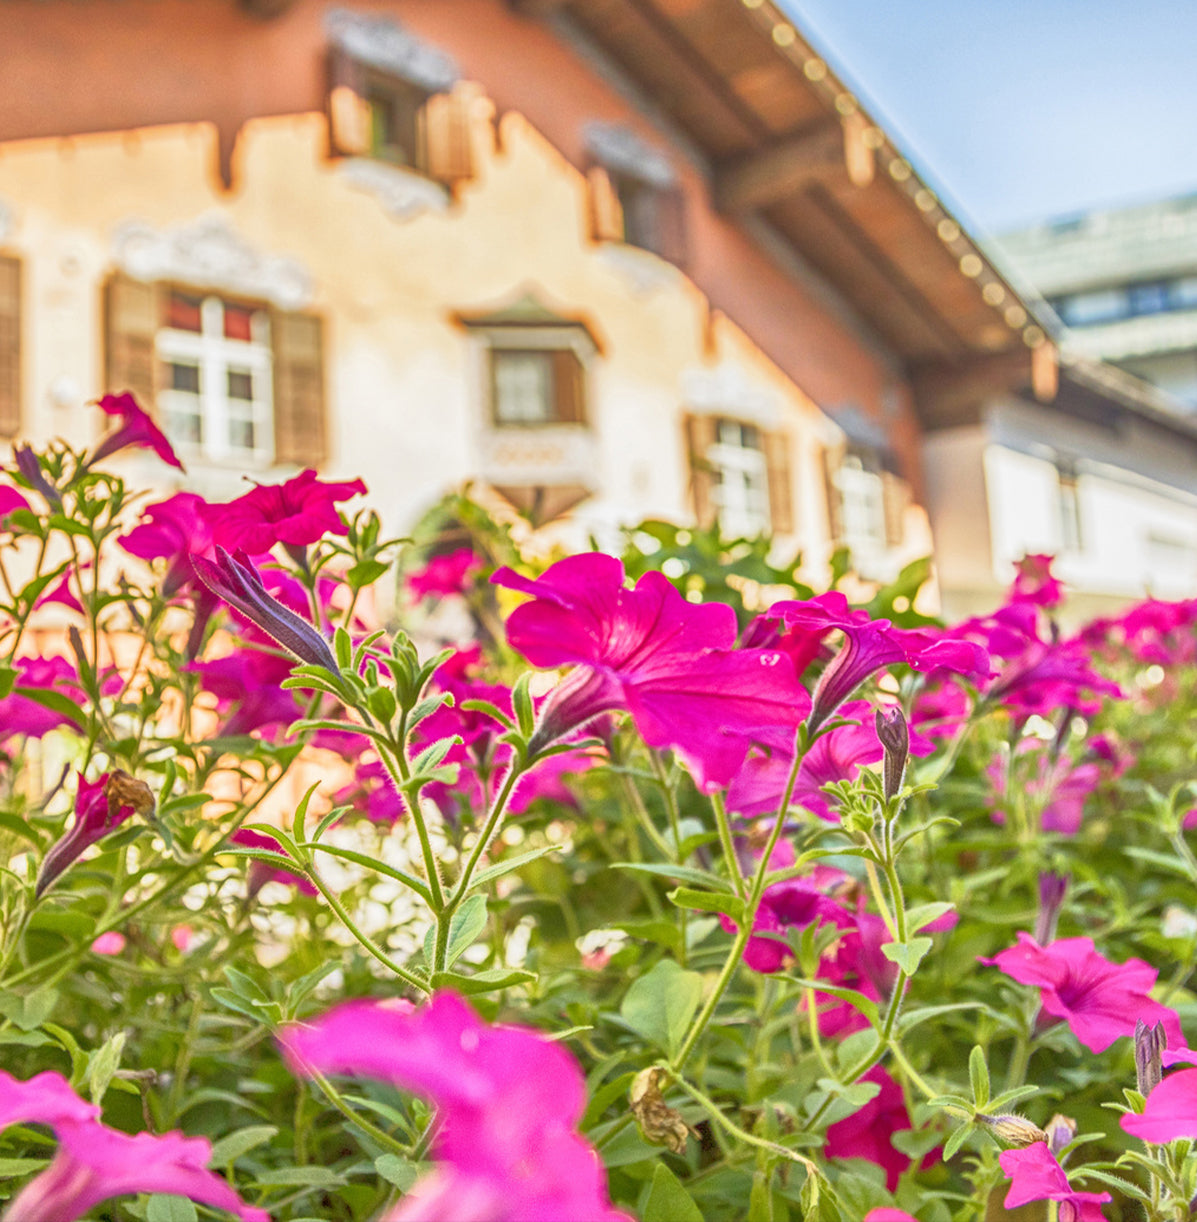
pixel 786 140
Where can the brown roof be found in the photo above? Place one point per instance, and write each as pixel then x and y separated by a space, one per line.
pixel 787 140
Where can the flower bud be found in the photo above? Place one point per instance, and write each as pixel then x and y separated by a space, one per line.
pixel 1012 1129
pixel 894 736
pixel 1052 889
pixel 1149 1056
pixel 1060 1131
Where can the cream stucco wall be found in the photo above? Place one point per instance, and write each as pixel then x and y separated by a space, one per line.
pixel 405 382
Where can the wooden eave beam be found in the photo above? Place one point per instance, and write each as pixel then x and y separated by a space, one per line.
pixel 764 177
pixel 951 393
pixel 534 9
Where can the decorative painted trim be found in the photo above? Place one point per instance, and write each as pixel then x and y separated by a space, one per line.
pixel 209 253
pixel 726 390
pixel 402 193
pixel 383 43
pixel 620 149
pixel 642 271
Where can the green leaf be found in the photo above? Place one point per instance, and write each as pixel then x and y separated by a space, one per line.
pixel 230 1001
pixel 686 874
pixel 978 1075
pixel 924 914
pixel 491 710
pixel 907 955
pixel 956 1140
pixel 866 1005
pixel 661 1004
pixel 164 1208
pixel 383 704
pixel 8 676
pixel 12 1167
pixel 299 1177
pixel 397 1171
pixel 508 865
pixel 489 981
pixel 708 901
pixel 365 573
pixel 56 702
pixel 103 1064
pixel 468 922
pixel 521 701
pixel 668 1201
pixel 31 1010
pixel 371 863
pixel 245 986
pixel 229 1149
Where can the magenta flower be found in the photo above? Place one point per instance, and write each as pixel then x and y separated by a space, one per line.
pixel 668 662
pixel 246 684
pixel 1060 786
pixel 870 645
pixel 885 1214
pixel 10 500
pixel 1035 584
pixel 868 1131
pixel 509 1103
pixel 1036 1176
pixel 372 793
pixel 136 428
pixel 235 579
pixel 110 943
pixel 20 714
pixel 262 872
pixel 171 530
pixel 1171 1111
pixel 836 756
pixel 1099 1000
pixel 95 1162
pixel 444 576
pixel 96 814
pixel 298 512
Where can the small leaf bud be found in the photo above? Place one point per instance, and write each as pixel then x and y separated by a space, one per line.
pixel 1012 1129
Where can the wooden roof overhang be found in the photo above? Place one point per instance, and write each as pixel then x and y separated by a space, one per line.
pixel 783 139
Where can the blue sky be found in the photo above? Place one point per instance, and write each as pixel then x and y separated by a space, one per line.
pixel 1017 110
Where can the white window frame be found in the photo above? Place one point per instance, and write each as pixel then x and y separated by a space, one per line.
pixel 216 356
pixel 740 493
pixel 862 506
pixel 543 341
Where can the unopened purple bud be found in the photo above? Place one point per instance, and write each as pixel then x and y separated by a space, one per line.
pixel 31 469
pixel 1060 1131
pixel 235 579
pixel 1052 889
pixel 894 736
pixel 1149 1056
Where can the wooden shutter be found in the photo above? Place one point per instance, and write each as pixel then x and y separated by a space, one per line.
pixel 671 225
pixel 448 143
pixel 132 316
pixel 300 429
pixel 833 457
pixel 777 468
pixel 700 436
pixel 895 496
pixel 10 346
pixel 350 123
pixel 606 212
pixel 569 389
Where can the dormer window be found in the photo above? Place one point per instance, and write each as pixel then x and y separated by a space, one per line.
pixel 635 197
pixel 395 99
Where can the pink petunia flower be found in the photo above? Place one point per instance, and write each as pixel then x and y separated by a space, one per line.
pixel 1060 786
pixel 94 1162
pixel 298 512
pixel 1035 584
pixel 1035 1175
pixel 668 662
pixel 136 428
pixel 509 1102
pixel 867 1132
pixel 10 500
pixel 1170 1112
pixel 444 576
pixel 96 814
pixel 171 530
pixel 1099 1000
pixel 248 691
pixel 885 1214
pixel 20 714
pixel 869 646
pixel 110 943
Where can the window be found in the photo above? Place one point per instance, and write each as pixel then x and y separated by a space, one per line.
pixel 395 98
pixel 866 499
pixel 635 197
pixel 739 475
pixel 536 386
pixel 215 399
pixel 229 380
pixel 10 346
pixel 1068 504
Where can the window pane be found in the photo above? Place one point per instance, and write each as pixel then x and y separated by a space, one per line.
pixel 241 384
pixel 183 311
pixel 241 434
pixel 523 387
pixel 184 428
pixel 238 322
pixel 185 376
